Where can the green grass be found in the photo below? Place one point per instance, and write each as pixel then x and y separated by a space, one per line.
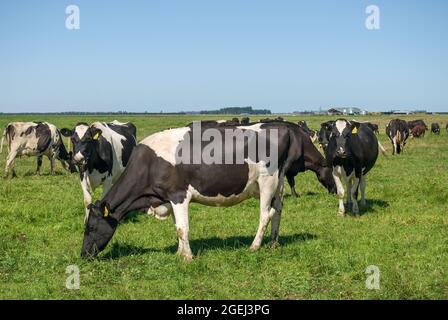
pixel 403 230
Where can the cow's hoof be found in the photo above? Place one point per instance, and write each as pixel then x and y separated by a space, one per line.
pixel 274 244
pixel 363 203
pixel 254 248
pixel 187 257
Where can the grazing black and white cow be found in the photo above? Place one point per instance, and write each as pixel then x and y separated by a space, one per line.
pixel 398 132
pixel 311 133
pixel 413 123
pixel 35 139
pixel 435 128
pixel 155 181
pixel 352 151
pixel 101 151
pixel 324 133
pixel 314 161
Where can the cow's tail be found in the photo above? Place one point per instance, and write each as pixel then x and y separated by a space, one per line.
pixel 4 135
pixel 382 149
pixel 398 141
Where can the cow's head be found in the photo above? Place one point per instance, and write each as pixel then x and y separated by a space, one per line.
pixel 84 139
pixel 342 132
pixel 99 229
pixel 325 177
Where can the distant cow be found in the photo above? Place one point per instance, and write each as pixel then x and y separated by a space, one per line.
pixel 352 151
pixel 373 127
pixel 418 131
pixel 398 132
pixel 245 121
pixel 413 123
pixel 446 127
pixel 155 181
pixel 435 128
pixel 101 151
pixel 35 139
pixel 311 133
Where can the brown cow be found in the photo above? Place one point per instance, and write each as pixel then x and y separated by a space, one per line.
pixel 418 131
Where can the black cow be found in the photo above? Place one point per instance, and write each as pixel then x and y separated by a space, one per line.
pixel 352 151
pixel 413 123
pixel 314 161
pixel 398 132
pixel 101 151
pixel 435 128
pixel 311 133
pixel 35 139
pixel 155 181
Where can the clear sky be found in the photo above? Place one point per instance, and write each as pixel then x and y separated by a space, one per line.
pixel 192 55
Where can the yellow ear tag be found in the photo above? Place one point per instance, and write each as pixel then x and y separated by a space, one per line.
pixel 355 130
pixel 106 212
pixel 96 136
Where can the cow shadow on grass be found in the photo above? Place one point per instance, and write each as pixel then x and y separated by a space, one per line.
pixel 119 250
pixel 372 206
pixel 238 242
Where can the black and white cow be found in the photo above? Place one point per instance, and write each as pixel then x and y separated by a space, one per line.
pixel 435 128
pixel 154 181
pixel 35 139
pixel 352 151
pixel 101 151
pixel 398 132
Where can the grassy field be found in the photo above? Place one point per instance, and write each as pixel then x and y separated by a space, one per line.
pixel 403 231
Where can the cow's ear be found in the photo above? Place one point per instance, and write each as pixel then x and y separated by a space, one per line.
pixel 105 209
pixel 96 133
pixel 66 132
pixel 354 127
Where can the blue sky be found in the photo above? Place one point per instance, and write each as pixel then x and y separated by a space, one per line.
pixel 192 55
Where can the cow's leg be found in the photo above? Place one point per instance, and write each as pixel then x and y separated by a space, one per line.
pixel 180 211
pixel 349 194
pixel 363 190
pixel 10 164
pixel 340 189
pixel 39 165
pixel 268 189
pixel 275 223
pixel 353 191
pixel 292 183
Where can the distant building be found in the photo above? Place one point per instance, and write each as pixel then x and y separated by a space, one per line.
pixel 347 111
pixel 402 112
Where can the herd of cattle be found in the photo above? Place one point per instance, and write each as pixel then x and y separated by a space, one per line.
pixel 146 177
